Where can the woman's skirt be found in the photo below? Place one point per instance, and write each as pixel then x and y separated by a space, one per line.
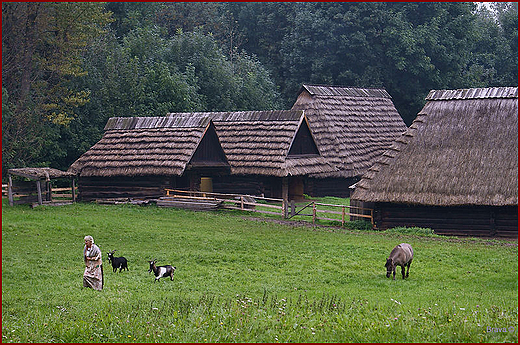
pixel 94 282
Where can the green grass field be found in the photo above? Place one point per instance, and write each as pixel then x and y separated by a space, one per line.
pixel 243 280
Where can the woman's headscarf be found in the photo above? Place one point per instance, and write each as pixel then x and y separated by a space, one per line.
pixel 89 238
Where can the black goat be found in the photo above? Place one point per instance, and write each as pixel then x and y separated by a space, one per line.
pixel 120 262
pixel 161 271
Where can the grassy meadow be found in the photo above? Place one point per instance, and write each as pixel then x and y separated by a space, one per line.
pixel 244 280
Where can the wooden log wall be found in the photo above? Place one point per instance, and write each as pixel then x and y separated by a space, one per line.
pixel 92 188
pixel 238 185
pixel 338 187
pixel 270 187
pixel 478 221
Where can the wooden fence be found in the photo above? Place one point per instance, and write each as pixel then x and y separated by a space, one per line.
pixel 320 211
pixel 237 201
pixel 22 196
pixel 330 210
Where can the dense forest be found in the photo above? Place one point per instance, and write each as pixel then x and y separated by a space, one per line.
pixel 68 67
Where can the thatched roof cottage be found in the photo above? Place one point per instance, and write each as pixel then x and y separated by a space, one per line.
pixel 270 152
pixel 455 169
pixel 352 127
pixel 249 152
pixel 141 156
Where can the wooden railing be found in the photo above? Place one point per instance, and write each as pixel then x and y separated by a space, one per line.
pixel 40 196
pixel 280 207
pixel 238 202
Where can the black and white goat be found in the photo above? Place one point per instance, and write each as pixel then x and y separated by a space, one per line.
pixel 120 262
pixel 161 271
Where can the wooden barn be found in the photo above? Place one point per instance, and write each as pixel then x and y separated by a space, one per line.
pixel 455 169
pixel 138 157
pixel 270 152
pixel 352 127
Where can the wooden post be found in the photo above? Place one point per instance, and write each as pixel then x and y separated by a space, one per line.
pixel 313 213
pixel 10 191
pixel 343 216
pixel 285 196
pixel 242 202
pixel 48 186
pixel 293 208
pixel 73 190
pixel 39 188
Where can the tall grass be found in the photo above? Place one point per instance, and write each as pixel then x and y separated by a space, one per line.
pixel 239 280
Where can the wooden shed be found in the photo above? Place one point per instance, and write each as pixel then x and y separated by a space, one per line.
pixel 34 186
pixel 455 169
pixel 270 152
pixel 138 157
pixel 352 127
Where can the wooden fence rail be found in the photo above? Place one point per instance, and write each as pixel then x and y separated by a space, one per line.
pixel 237 201
pixel 343 213
pixel 279 206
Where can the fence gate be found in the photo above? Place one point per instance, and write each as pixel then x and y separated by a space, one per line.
pixel 331 211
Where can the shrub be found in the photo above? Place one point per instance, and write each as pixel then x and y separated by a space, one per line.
pixel 411 231
pixel 358 225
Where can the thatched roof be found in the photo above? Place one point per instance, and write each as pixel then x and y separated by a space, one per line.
pixel 258 142
pixel 462 149
pixel 352 126
pixel 39 173
pixel 134 146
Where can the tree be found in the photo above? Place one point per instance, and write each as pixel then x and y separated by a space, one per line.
pixel 42 45
pixel 150 73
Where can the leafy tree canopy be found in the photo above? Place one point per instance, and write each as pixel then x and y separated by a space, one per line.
pixel 68 67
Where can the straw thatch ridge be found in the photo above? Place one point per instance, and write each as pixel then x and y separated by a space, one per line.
pixel 322 90
pixel 39 173
pixel 351 126
pixel 258 142
pixel 462 149
pixel 127 123
pixel 143 146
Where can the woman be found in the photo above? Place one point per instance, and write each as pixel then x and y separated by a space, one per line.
pixel 93 276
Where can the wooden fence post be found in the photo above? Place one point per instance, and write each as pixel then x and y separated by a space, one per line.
pixel 343 216
pixel 313 213
pixel 293 208
pixel 48 186
pixel 73 190
pixel 39 188
pixel 242 202
pixel 10 191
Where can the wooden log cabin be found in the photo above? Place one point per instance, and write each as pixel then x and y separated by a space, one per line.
pixel 351 127
pixel 270 152
pixel 455 170
pixel 139 157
